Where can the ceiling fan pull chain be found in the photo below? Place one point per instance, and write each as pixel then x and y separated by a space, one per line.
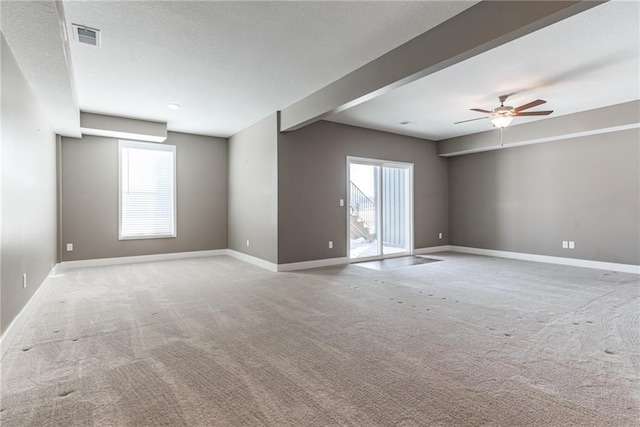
pixel 501 137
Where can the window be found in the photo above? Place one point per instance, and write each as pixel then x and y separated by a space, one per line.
pixel 147 190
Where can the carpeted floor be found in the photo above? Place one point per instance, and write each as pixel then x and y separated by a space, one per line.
pixel 467 341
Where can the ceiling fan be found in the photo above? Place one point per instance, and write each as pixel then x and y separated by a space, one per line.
pixel 501 116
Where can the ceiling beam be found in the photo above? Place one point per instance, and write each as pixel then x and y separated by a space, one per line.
pixel 613 118
pixel 486 25
pixel 35 33
pixel 121 127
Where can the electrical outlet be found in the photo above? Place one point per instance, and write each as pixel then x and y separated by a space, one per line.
pixel 565 244
pixel 69 247
pixel 330 244
pixel 439 235
pixel 572 245
pixel 341 202
pixel 24 281
pixel 247 242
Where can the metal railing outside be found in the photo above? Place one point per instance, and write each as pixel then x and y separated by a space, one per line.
pixel 362 207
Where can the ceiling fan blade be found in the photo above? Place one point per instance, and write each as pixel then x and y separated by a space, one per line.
pixel 534 113
pixel 530 105
pixel 471 120
pixel 480 110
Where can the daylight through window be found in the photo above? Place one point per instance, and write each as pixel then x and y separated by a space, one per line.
pixel 147 190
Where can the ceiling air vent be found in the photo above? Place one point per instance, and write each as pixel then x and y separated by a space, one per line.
pixel 86 35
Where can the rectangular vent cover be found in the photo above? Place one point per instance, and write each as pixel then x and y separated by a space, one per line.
pixel 86 35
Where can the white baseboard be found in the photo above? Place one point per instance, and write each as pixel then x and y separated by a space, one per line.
pixel 305 265
pixel 624 268
pixel 253 260
pixel 432 249
pixel 293 266
pixel 139 258
pixel 6 339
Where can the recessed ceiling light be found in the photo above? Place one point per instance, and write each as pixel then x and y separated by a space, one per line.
pixel 173 106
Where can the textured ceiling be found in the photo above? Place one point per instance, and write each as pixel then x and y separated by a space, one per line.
pixel 587 61
pixel 230 64
pixel 40 53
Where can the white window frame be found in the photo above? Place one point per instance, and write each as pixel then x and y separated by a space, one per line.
pixel 148 146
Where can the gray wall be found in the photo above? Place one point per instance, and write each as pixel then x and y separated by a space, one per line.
pixel 89 194
pixel 312 180
pixel 253 190
pixel 529 199
pixel 28 243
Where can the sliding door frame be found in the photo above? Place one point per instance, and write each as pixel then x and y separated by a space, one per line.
pixel 379 220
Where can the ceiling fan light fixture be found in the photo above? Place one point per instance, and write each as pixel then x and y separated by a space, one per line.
pixel 502 116
pixel 501 121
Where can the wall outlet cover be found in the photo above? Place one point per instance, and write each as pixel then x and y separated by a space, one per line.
pixel 565 244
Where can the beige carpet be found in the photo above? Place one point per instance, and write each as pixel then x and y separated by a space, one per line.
pixel 466 341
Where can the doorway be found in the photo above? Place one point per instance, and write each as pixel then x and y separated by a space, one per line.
pixel 380 207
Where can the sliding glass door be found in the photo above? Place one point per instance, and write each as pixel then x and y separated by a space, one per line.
pixel 380 207
pixel 364 210
pixel 396 218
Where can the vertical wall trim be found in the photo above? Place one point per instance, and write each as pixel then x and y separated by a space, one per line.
pixel 276 187
pixel 59 196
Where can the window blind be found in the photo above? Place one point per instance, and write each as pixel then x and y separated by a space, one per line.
pixel 147 190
